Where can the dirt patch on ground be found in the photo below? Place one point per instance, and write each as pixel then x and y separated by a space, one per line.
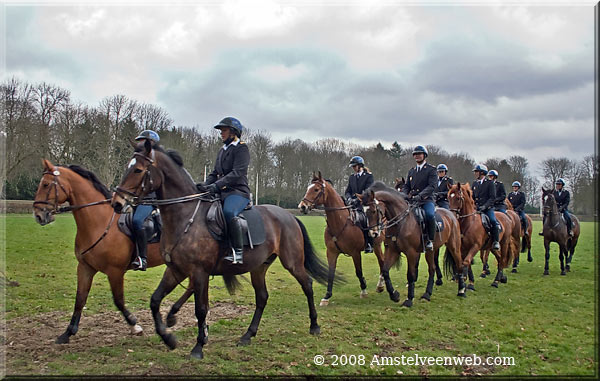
pixel 30 340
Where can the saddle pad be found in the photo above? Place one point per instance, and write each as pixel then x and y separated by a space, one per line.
pixel 485 221
pixel 153 224
pixel 420 216
pixel 254 229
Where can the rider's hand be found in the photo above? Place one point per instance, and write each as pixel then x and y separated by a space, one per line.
pixel 212 188
pixel 416 198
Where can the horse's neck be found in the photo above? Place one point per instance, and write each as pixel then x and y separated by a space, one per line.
pixel 554 217
pixel 335 218
pixel 175 185
pixel 394 209
pixel 92 217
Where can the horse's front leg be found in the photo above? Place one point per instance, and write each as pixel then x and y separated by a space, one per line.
pixel 484 255
pixel 356 258
pixel 411 276
pixel 391 256
pixel 547 257
pixel 115 278
pixel 171 318
pixel 467 271
pixel 562 256
pixel 432 267
pixel 261 296
pixel 85 275
pixel 380 261
pixel 201 302
pixel 168 282
pixel 332 257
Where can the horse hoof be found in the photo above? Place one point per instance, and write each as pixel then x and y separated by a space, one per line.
pixel 471 287
pixel 171 320
pixel 171 341
pixel 197 353
pixel 426 296
pixel 62 339
pixel 563 272
pixel 462 294
pixel 514 271
pixel 439 282
pixel 395 296
pixel 315 330
pixel 243 342
pixel 529 259
pixel 504 279
pixel 324 302
pixel 137 329
pixel 363 294
pixel 495 284
pixel 379 289
pixel 568 268
pixel 546 272
pixel 483 274
pixel 407 303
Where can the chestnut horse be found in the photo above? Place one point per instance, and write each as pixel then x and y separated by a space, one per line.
pixel 555 230
pixel 99 244
pixel 341 234
pixel 474 236
pixel 190 250
pixel 403 235
pixel 525 241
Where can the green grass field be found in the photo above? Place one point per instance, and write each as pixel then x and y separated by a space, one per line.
pixel 548 324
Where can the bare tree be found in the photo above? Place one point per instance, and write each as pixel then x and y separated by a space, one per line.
pixel 555 168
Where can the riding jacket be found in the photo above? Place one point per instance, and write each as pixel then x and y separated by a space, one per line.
pixel 484 193
pixel 562 199
pixel 500 194
pixel 441 188
pixel 358 183
pixel 517 199
pixel 421 182
pixel 231 170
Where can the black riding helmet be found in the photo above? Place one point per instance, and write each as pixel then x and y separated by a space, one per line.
pixel 233 124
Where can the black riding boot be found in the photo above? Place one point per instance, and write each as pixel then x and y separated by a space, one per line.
pixel 495 237
pixel 368 242
pixel 141 243
pixel 430 234
pixel 236 237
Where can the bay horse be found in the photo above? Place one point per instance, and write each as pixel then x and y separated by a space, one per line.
pixel 190 250
pixel 474 236
pixel 525 241
pixel 99 244
pixel 403 235
pixel 342 235
pixel 555 230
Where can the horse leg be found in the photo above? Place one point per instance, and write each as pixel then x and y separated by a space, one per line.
pixel 200 279
pixel 412 259
pixel 529 256
pixel 115 278
pixel 467 271
pixel 499 275
pixel 484 254
pixel 261 296
pixel 379 255
pixel 171 318
pixel 359 274
pixel 547 258
pixel 332 258
pixel 85 275
pixel 562 256
pixel 515 263
pixel 438 270
pixel 431 265
pixel 299 272
pixel 571 250
pixel 390 259
pixel 168 282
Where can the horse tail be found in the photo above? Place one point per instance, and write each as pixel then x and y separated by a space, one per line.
pixel 231 283
pixel 449 263
pixel 313 265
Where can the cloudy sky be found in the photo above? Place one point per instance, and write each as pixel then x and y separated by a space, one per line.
pixel 489 80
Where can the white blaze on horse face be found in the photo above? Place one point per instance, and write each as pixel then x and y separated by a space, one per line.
pixel 131 163
pixel 311 185
pixel 452 195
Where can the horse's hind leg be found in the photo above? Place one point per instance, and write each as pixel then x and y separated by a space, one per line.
pixel 431 265
pixel 561 256
pixel 166 285
pixel 299 272
pixel 484 254
pixel 359 274
pixel 85 275
pixel 200 279
pixel 412 257
pixel 261 294
pixel 115 278
pixel 379 255
pixel 171 318
pixel 332 258
pixel 438 270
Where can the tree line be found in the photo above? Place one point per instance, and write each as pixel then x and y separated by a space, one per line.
pixel 43 121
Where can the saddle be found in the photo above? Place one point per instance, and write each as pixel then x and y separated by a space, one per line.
pixel 252 223
pixel 487 224
pixel 152 225
pixel 419 214
pixel 359 218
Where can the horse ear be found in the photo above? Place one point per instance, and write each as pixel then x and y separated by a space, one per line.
pixel 47 164
pixel 458 185
pixel 403 181
pixel 148 146
pixel 359 196
pixel 449 186
pixel 320 176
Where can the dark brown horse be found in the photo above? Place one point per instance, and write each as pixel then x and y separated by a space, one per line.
pixel 342 235
pixel 555 230
pixel 392 216
pixel 190 250
pixel 474 236
pixel 99 244
pixel 525 241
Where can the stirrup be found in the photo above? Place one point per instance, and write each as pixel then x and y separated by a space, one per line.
pixel 496 245
pixel 235 258
pixel 429 245
pixel 368 248
pixel 139 264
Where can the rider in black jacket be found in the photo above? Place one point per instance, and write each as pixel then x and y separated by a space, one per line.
pixel 484 194
pixel 499 204
pixel 440 194
pixel 358 182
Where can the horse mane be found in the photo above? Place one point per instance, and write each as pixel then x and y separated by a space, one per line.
pixel 173 154
pixel 89 175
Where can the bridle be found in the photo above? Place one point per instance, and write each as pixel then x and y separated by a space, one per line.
pixel 461 198
pixel 55 207
pixel 380 224
pixel 145 183
pixel 312 203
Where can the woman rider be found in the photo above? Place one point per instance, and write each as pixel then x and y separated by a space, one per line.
pixel 358 182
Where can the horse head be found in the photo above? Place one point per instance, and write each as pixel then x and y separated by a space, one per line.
pixel 50 194
pixel 315 194
pixel 548 201
pixel 141 177
pixel 375 212
pixel 399 184
pixel 460 198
